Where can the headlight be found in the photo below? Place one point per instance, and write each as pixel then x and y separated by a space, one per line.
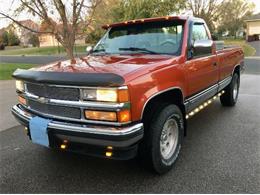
pixel 19 85
pixel 105 95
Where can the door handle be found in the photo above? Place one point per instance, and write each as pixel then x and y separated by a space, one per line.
pixel 214 64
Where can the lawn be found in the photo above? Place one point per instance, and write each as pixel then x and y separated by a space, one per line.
pixel 41 50
pixel 7 69
pixel 248 50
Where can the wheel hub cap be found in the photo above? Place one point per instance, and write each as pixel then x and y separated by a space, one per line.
pixel 169 138
pixel 235 90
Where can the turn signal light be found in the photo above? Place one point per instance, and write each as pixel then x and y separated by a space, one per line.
pixel 123 95
pixel 100 115
pixel 22 100
pixel 124 116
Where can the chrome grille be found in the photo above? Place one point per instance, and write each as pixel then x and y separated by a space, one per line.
pixel 56 110
pixel 53 92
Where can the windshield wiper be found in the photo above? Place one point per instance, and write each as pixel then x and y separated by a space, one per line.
pixel 98 50
pixel 137 49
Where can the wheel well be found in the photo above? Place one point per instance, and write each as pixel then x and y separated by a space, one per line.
pixel 174 96
pixel 237 70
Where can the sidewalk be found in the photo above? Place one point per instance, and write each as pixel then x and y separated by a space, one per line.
pixel 8 98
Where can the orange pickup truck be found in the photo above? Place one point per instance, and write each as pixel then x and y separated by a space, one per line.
pixel 132 94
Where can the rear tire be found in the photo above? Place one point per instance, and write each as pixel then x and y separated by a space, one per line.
pixel 229 98
pixel 163 139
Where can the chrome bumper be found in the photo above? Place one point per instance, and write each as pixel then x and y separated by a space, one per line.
pixel 103 135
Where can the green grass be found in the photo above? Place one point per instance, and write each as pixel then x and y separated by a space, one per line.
pixel 41 50
pixel 248 50
pixel 7 69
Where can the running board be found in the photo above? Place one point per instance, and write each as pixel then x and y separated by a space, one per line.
pixel 205 104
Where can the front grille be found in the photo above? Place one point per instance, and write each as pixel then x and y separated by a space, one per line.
pixel 61 111
pixel 53 92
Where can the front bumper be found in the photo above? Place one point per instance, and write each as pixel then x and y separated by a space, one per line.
pixel 89 139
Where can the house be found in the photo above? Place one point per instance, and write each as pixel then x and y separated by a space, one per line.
pixel 253 28
pixel 48 39
pixel 24 34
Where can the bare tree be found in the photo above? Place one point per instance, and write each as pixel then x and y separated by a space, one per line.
pixel 65 19
pixel 206 9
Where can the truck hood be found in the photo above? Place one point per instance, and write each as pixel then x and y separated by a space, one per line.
pixel 127 66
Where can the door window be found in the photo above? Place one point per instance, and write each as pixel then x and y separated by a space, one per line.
pixel 199 32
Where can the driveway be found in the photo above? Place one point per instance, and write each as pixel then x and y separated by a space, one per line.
pixel 7 99
pixel 256 45
pixel 221 154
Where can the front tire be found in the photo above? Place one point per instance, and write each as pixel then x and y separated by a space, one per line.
pixel 229 98
pixel 163 139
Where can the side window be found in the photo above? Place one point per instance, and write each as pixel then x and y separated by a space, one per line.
pixel 199 32
pixel 200 41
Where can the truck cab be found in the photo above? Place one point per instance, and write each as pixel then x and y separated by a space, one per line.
pixel 132 94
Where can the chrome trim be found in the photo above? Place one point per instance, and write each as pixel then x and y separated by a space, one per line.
pixel 85 104
pixel 198 95
pixel 113 131
pixel 223 83
pixel 160 92
pixel 82 120
pixel 82 105
pixel 76 86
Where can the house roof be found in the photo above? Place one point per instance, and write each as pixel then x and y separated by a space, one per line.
pixel 253 18
pixel 30 24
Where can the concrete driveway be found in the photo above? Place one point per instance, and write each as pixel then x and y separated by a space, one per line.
pixel 7 99
pixel 256 45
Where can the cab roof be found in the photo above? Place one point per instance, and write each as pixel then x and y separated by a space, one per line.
pixel 145 20
pixel 156 19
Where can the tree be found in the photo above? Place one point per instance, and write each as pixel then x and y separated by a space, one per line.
pixel 71 16
pixel 136 9
pixel 34 40
pixel 232 15
pixel 105 13
pixel 12 39
pixel 206 9
pixel 4 38
pixel 109 11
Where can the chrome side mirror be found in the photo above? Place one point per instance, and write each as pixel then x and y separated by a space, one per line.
pixel 201 48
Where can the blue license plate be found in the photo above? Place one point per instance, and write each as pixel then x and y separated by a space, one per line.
pixel 38 130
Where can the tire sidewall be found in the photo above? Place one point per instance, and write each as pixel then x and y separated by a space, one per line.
pixel 162 165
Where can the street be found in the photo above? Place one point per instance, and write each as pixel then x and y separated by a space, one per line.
pixel 221 154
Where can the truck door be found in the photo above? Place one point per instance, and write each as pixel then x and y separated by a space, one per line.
pixel 201 70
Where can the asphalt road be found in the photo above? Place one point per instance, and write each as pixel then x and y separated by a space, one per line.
pixel 39 60
pixel 221 154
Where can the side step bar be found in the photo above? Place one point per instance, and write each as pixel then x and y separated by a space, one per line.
pixel 203 105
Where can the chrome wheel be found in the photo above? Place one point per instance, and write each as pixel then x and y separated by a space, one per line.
pixel 169 138
pixel 235 90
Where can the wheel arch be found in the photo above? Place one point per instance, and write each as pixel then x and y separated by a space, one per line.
pixel 236 69
pixel 172 95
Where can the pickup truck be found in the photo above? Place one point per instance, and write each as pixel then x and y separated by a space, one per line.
pixel 132 94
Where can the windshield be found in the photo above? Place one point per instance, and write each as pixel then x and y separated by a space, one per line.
pixel 151 38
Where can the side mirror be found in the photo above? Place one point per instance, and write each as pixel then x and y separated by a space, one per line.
pixel 200 48
pixel 89 49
